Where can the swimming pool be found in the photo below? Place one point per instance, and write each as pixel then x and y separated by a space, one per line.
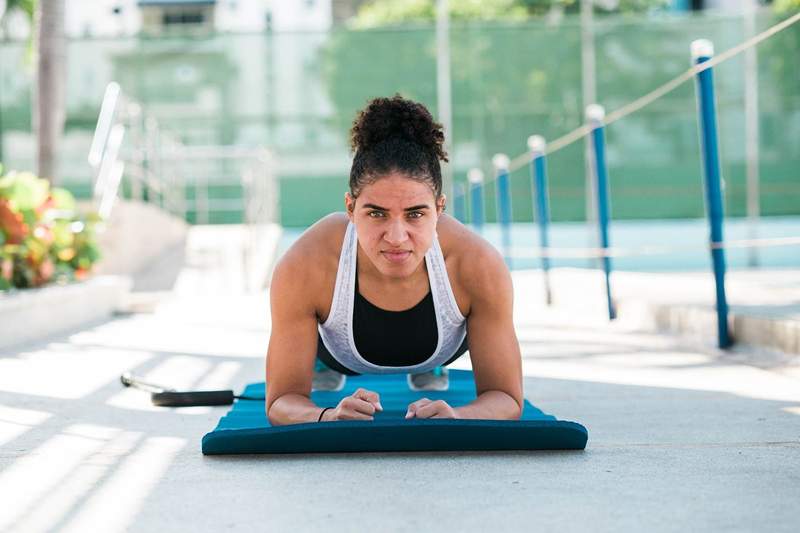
pixel 690 236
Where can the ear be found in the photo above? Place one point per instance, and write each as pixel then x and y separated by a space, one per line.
pixel 441 203
pixel 349 205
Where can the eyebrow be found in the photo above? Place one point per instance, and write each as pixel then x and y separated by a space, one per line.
pixel 413 208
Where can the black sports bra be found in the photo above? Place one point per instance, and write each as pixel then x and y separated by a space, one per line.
pixel 391 338
pixel 394 338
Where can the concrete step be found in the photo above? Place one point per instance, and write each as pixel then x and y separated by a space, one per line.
pixel 764 305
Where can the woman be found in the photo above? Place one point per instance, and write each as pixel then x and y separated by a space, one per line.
pixel 392 285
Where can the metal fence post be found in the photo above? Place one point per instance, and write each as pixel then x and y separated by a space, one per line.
pixel 503 191
pixel 459 203
pixel 537 146
pixel 475 178
pixel 595 114
pixel 702 51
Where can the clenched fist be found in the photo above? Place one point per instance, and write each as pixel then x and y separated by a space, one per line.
pixel 361 405
pixel 426 408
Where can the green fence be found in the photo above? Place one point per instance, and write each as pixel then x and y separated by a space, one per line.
pixel 297 93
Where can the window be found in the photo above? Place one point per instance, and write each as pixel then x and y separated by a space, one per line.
pixel 183 17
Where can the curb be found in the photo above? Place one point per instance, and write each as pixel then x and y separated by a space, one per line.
pixel 701 322
pixel 32 315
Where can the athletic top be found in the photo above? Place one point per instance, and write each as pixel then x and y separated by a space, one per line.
pixel 337 332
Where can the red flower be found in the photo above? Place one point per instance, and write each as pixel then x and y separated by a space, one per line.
pixel 12 223
pixel 7 269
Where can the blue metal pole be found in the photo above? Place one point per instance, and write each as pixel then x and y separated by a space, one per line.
pixel 501 163
pixel 475 178
pixel 702 51
pixel 595 114
pixel 460 207
pixel 537 146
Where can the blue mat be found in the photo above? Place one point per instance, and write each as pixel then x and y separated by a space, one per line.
pixel 245 429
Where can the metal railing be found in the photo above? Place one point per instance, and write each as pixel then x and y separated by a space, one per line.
pixel 129 144
pixel 140 159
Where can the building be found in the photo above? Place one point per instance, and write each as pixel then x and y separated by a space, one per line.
pixel 125 18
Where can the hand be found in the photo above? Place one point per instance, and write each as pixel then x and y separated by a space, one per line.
pixel 361 405
pixel 426 408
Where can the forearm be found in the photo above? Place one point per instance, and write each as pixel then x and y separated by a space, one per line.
pixel 491 405
pixel 293 409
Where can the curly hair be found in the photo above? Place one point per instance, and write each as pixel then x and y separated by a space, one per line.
pixel 396 135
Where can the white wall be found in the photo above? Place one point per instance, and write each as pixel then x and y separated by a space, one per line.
pixel 97 18
pixel 301 15
pixel 241 15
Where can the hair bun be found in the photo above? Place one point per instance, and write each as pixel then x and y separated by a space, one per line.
pixel 397 118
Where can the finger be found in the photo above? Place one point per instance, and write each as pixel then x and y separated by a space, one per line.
pixel 350 414
pixel 434 409
pixel 412 408
pixel 359 406
pixel 421 402
pixel 369 396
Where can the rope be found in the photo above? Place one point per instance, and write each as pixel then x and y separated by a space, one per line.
pixel 589 253
pixel 583 130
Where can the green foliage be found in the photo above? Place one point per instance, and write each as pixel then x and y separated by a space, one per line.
pixel 26 6
pixel 394 12
pixel 29 8
pixel 42 237
pixel 787 6
pixel 511 80
pixel 383 13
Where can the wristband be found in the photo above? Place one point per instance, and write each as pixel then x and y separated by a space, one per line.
pixel 322 413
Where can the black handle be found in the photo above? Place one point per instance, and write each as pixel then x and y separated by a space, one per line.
pixel 188 399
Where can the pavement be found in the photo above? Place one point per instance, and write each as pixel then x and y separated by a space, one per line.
pixel 682 435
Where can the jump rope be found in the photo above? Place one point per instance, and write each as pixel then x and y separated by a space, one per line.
pixel 167 397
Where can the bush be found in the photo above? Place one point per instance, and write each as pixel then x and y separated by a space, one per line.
pixel 43 239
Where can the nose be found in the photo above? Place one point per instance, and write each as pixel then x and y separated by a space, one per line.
pixel 396 234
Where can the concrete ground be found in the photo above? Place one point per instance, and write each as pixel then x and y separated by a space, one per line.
pixel 682 436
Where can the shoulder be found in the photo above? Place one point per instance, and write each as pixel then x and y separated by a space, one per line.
pixel 313 259
pixel 475 265
pixel 321 239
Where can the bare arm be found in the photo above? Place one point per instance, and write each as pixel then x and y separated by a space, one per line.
pixel 493 346
pixel 292 346
pixel 296 284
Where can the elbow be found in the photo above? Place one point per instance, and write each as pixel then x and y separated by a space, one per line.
pixel 506 405
pixel 517 405
pixel 272 412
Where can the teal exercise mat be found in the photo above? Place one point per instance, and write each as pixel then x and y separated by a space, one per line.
pixel 245 429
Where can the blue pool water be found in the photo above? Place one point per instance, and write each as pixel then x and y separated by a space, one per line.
pixel 690 236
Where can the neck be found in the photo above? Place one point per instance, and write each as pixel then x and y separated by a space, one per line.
pixel 367 270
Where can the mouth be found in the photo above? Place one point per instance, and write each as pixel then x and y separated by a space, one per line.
pixel 396 256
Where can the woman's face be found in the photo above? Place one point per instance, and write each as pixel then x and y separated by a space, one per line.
pixel 395 219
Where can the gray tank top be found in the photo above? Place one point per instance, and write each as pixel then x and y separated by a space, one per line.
pixel 337 331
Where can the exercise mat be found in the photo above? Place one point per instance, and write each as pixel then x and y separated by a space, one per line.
pixel 245 428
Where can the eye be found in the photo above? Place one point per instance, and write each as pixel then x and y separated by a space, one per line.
pixel 375 214
pixel 416 214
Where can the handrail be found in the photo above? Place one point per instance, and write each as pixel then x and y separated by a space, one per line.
pixel 158 166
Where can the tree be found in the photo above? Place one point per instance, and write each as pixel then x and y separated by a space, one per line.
pixel 390 12
pixel 787 6
pixel 49 106
pixel 27 7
